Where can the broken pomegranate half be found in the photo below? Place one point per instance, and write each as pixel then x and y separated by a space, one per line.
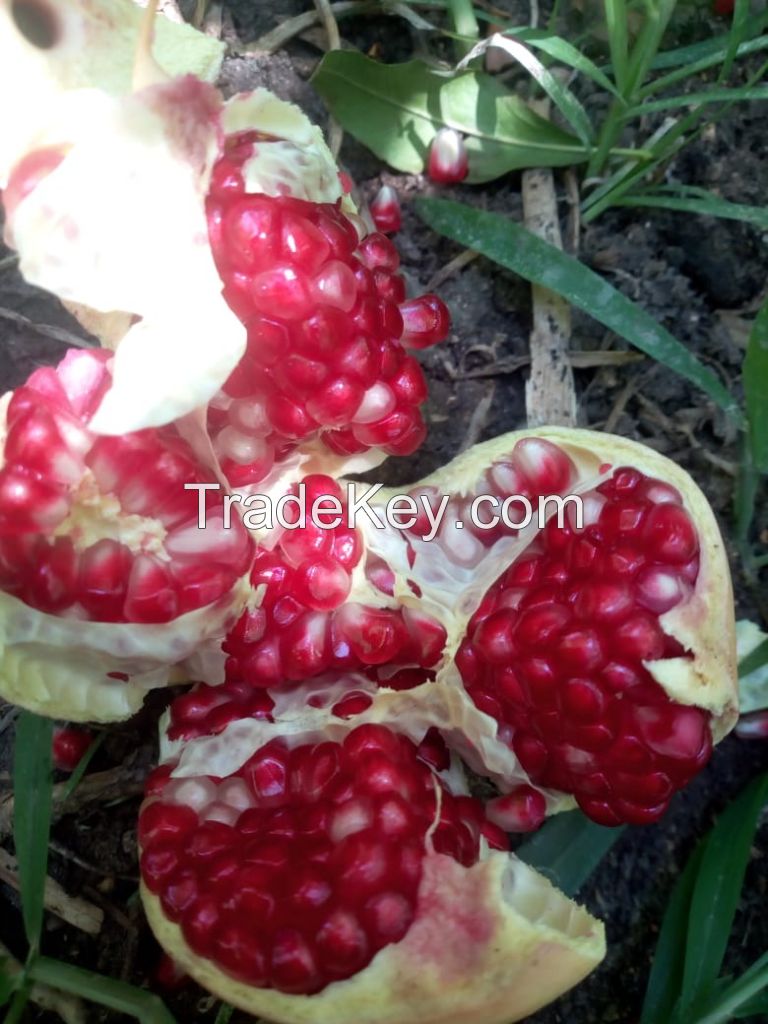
pixel 589 653
pixel 106 577
pixel 336 877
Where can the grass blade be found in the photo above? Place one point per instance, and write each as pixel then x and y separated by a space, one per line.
pixel 32 787
pixel 693 99
pixel 563 52
pixel 755 660
pixel 225 1013
pixel 714 49
pixel 18 1006
pixel 512 246
pixel 97 988
pixel 716 896
pixel 568 848
pixel 565 101
pixel 666 975
pixel 618 40
pixel 710 206
pixel 8 982
pixel 736 1000
pixel 755 379
pixel 737 35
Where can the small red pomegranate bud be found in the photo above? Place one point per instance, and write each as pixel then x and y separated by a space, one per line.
pixel 448 161
pixel 69 747
pixel 385 210
pixel 522 810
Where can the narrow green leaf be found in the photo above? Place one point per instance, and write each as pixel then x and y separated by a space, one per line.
pixel 225 1013
pixel 733 1001
pixel 697 99
pixel 757 1006
pixel 666 974
pixel 76 777
pixel 32 786
pixel 97 988
pixel 561 50
pixel 18 1006
pixel 618 40
pixel 515 248
pixel 568 848
pixel 397 109
pixel 755 378
pixel 571 109
pixel 755 660
pixel 718 888
pixel 737 35
pixel 714 48
pixel 711 206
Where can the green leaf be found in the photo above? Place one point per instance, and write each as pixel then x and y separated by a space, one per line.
pixel 734 1000
pixel 757 1006
pixel 561 50
pixel 571 109
pixel 618 40
pixel 755 378
pixel 512 246
pixel 117 995
pixel 568 848
pixel 755 660
pixel 32 787
pixel 713 49
pixel 666 974
pixel 709 206
pixel 737 35
pixel 716 896
pixel 397 109
pixel 697 99
pixel 225 1013
pixel 18 1005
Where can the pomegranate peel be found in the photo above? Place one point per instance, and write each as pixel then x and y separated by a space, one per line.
pixel 513 944
pixel 73 44
pixel 495 943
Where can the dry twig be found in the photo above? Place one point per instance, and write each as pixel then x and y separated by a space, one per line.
pixel 451 267
pixel 286 30
pixel 75 911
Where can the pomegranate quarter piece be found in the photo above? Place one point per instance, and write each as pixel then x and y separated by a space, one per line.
pixel 598 654
pixel 106 580
pixel 336 878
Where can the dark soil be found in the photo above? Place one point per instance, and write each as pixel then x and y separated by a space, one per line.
pixel 693 274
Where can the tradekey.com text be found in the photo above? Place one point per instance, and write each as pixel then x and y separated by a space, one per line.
pixel 399 512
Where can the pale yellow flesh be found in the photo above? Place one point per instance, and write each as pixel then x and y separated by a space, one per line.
pixel 491 944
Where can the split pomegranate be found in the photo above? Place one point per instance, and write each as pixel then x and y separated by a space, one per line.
pixel 328 325
pixel 345 868
pixel 101 551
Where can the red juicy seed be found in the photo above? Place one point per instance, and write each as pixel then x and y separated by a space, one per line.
pixel 557 649
pixel 322 873
pixel 103 580
pixel 385 210
pixel 166 823
pixel 426 321
pixel 332 302
pixel 522 810
pixel 69 747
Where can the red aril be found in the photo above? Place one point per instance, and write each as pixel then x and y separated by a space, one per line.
pixel 326 321
pixel 101 551
pixel 69 747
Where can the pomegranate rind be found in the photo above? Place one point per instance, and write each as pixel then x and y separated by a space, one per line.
pixel 491 943
pixel 94 47
pixel 704 623
pixel 64 668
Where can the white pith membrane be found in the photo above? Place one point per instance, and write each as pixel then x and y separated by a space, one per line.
pixel 154 149
pixel 69 664
pixel 58 45
pixel 490 942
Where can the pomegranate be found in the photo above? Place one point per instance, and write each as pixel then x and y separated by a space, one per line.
pixel 70 747
pixel 592 659
pixel 385 210
pixel 448 160
pixel 327 318
pixel 101 554
pixel 338 877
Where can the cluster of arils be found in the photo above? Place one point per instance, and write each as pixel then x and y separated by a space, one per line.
pixel 309 846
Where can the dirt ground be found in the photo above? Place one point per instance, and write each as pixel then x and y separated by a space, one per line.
pixel 700 278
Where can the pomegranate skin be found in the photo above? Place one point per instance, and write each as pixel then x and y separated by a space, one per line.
pixel 490 940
